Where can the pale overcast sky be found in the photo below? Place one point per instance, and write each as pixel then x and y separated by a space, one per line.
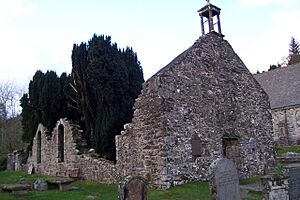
pixel 39 34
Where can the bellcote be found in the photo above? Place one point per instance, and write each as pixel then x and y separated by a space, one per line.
pixel 210 17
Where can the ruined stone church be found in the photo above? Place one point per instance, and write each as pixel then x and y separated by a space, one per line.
pixel 202 106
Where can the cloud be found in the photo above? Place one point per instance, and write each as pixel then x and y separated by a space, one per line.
pixel 15 49
pixel 265 2
pixel 16 8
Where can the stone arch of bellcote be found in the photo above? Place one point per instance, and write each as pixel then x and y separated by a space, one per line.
pixel 210 18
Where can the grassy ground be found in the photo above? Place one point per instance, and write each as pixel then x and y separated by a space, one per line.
pixel 250 180
pixel 190 191
pixel 282 150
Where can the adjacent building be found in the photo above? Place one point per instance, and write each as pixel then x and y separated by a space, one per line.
pixel 283 87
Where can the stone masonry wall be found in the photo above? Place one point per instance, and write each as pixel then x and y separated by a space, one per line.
pixel 210 97
pixel 287 125
pixel 140 146
pixel 75 155
pixel 207 92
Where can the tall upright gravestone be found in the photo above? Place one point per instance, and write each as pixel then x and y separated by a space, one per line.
pixel 133 188
pixel 224 180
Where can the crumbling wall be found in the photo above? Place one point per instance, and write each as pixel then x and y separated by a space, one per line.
pixel 75 155
pixel 140 147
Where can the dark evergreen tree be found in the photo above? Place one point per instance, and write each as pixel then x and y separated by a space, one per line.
pixel 294 46
pixel 107 80
pixel 294 52
pixel 46 102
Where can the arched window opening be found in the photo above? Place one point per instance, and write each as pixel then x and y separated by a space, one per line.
pixel 60 143
pixel 38 147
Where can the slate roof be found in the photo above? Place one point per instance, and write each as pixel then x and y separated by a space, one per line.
pixel 282 85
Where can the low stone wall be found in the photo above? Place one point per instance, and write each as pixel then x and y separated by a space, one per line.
pixel 99 170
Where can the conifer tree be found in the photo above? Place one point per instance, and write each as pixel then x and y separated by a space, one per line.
pixel 294 52
pixel 294 46
pixel 46 102
pixel 107 81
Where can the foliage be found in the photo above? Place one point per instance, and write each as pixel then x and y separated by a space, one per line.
pixel 107 80
pixel 10 120
pixel 99 95
pixel 9 95
pixel 46 102
pixel 3 161
pixel 294 46
pixel 285 149
pixel 279 169
pixel 272 67
pixel 294 51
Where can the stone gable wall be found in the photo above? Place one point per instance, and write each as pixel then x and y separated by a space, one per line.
pixel 206 91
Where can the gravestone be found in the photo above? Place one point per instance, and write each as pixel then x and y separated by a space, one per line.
pixel 224 180
pixel 133 188
pixel 40 184
pixel 294 183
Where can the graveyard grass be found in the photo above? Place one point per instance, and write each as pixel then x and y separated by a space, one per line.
pixel 285 149
pixel 190 191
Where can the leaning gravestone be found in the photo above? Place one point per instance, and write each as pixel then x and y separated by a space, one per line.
pixel 224 180
pixel 133 188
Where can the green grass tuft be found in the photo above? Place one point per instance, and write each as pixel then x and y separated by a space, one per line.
pixel 189 191
pixel 250 180
pixel 285 149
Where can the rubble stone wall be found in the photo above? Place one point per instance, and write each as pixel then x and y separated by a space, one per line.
pixel 207 92
pixel 75 155
pixel 287 125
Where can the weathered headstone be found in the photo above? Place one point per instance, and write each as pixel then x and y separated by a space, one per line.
pixel 40 184
pixel 224 180
pixel 133 188
pixel 294 183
